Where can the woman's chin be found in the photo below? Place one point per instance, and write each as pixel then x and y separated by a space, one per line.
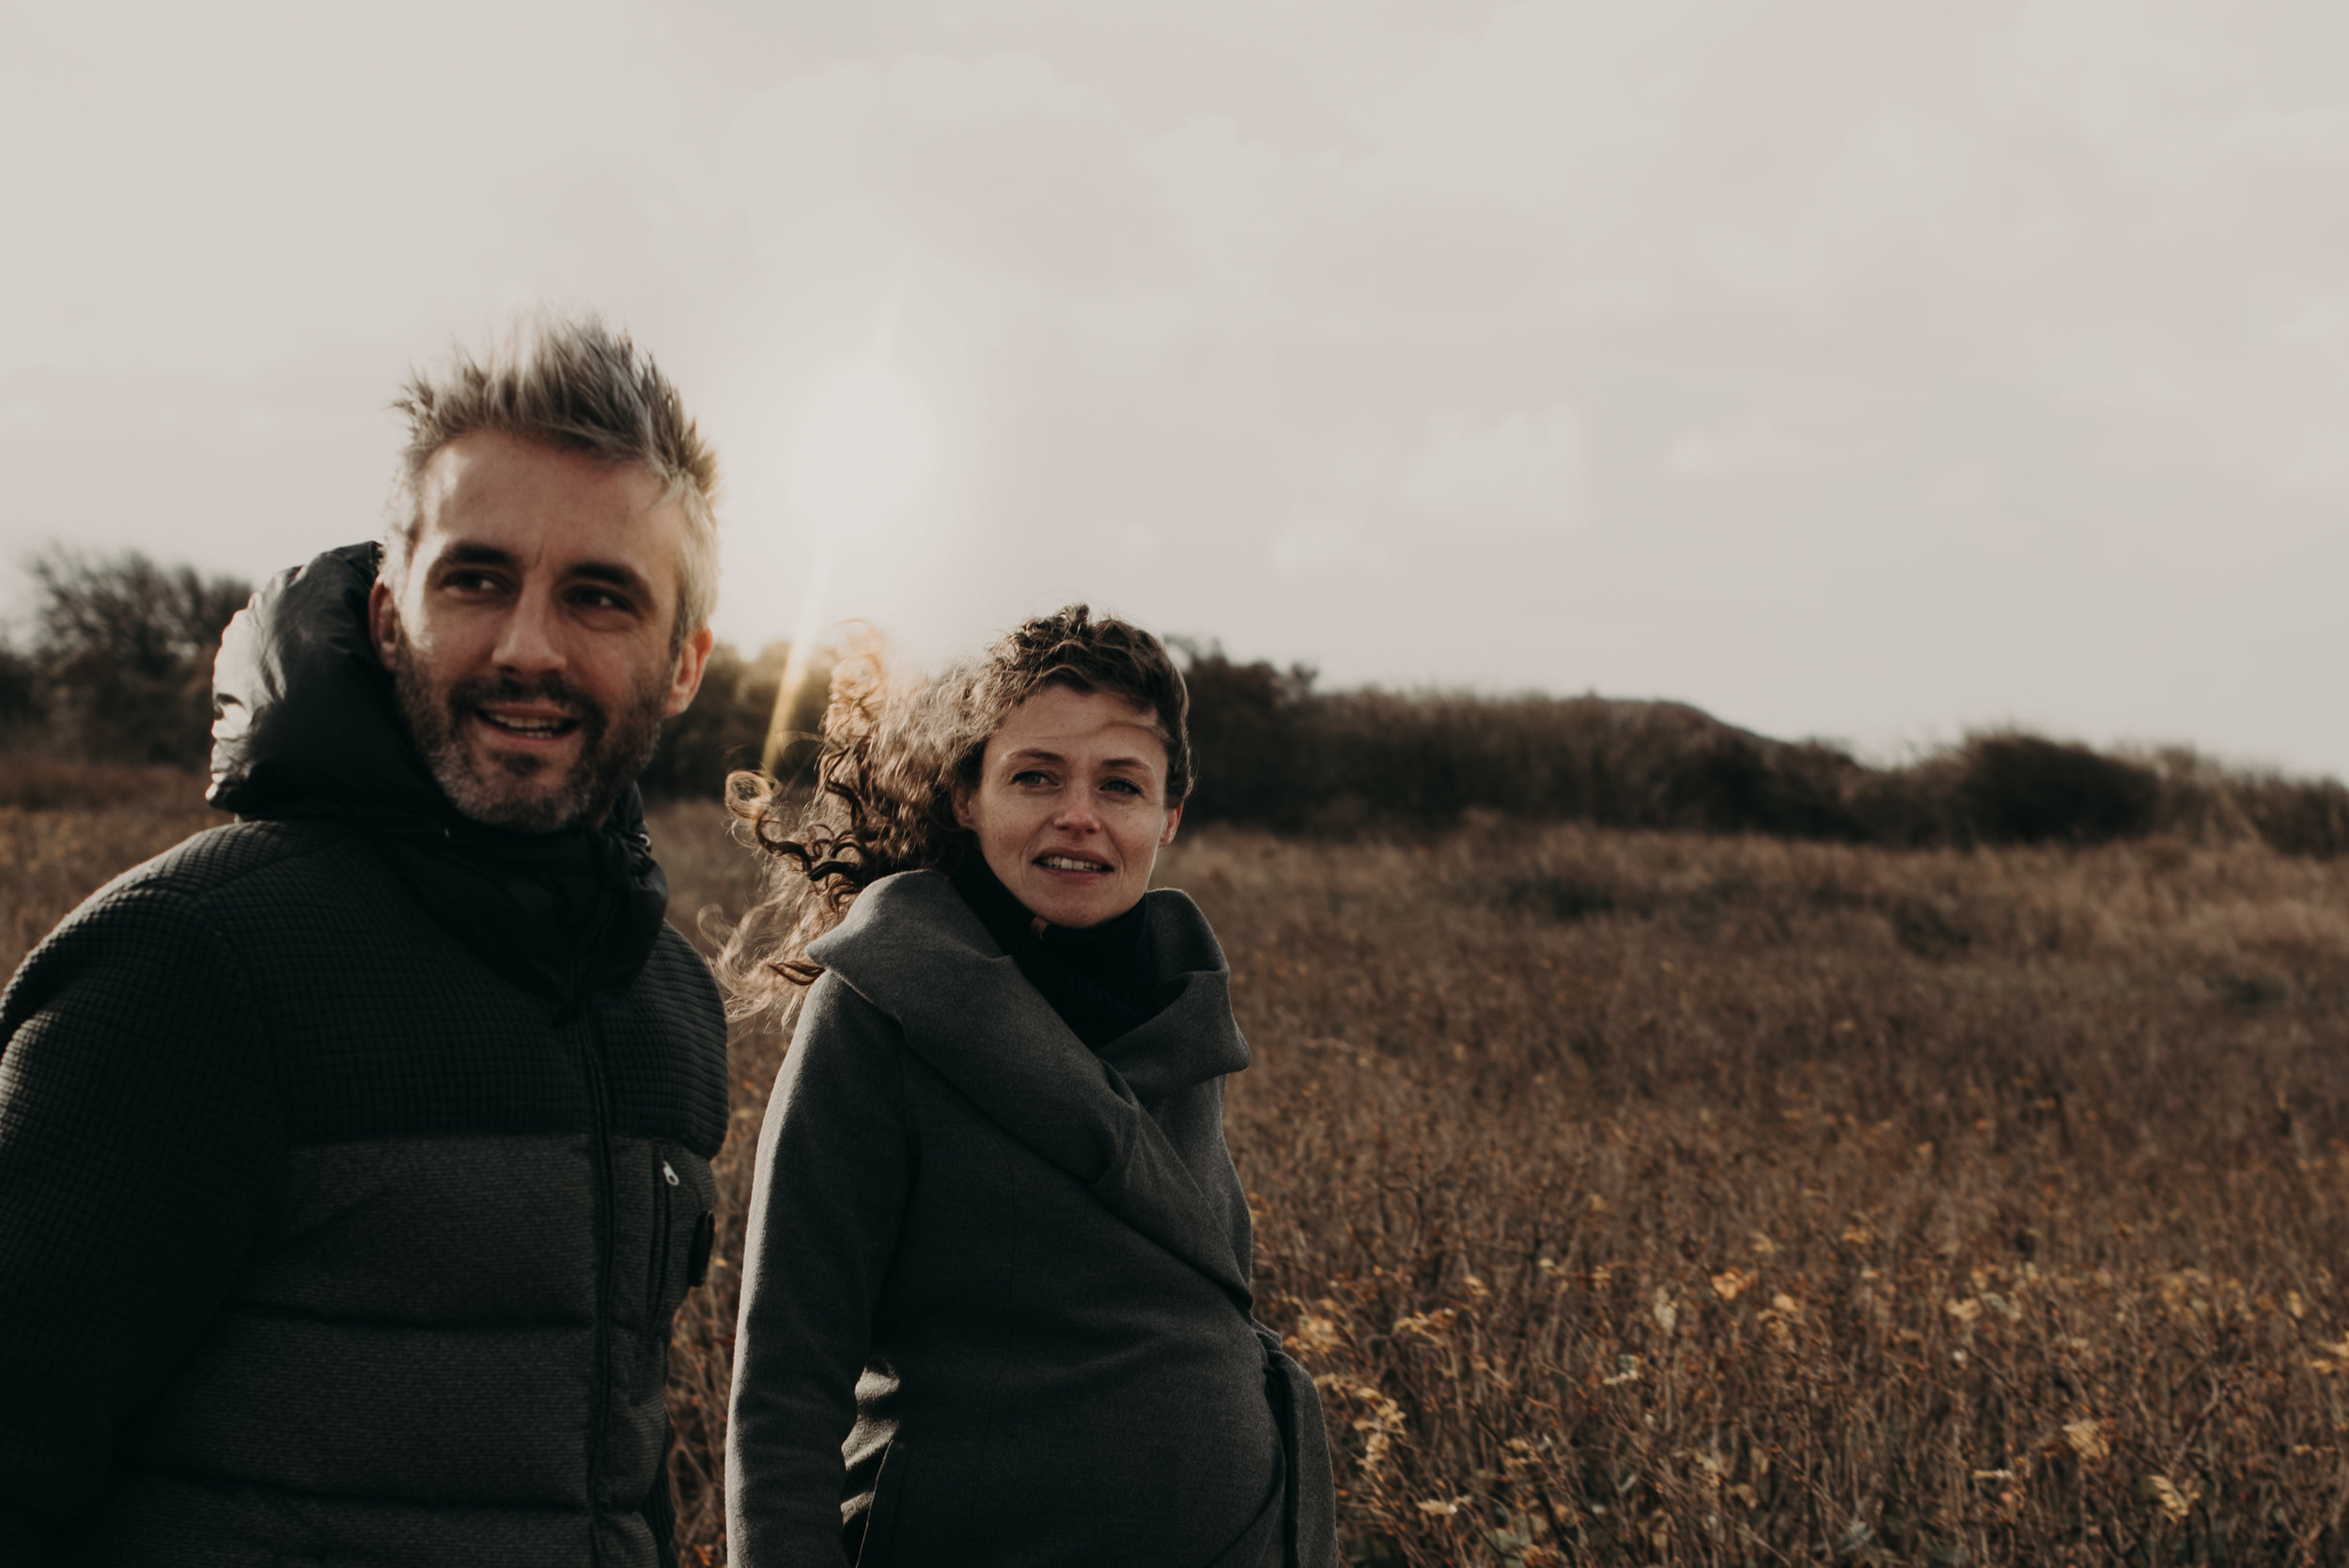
pixel 1077 906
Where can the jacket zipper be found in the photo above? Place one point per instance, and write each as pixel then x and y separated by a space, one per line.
pixel 599 1139
pixel 664 1230
pixel 606 1205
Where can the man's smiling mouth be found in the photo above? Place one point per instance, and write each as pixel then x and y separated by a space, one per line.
pixel 532 726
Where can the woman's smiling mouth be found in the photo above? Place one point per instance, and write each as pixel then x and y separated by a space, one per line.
pixel 1072 862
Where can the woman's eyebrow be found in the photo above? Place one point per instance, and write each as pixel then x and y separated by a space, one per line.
pixel 1037 753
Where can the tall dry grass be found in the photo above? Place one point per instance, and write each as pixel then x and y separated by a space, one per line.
pixel 68 828
pixel 1654 1199
pixel 1663 1198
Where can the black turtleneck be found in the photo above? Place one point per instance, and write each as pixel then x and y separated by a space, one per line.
pixel 1100 979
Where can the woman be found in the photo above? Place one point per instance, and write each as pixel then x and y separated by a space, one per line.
pixel 996 1301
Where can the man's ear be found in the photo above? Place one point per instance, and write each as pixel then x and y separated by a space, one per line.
pixel 1174 820
pixel 383 621
pixel 686 678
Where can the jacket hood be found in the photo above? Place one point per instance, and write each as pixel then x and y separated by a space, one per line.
pixel 306 725
pixel 304 720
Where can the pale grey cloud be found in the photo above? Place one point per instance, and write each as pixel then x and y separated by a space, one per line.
pixel 1523 474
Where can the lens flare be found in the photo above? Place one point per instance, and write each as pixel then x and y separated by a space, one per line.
pixel 859 454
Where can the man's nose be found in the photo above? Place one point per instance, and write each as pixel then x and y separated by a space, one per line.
pixel 528 642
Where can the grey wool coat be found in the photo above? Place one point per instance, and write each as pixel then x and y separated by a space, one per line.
pixel 996 1305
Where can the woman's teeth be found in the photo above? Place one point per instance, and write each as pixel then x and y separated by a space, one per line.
pixel 1063 862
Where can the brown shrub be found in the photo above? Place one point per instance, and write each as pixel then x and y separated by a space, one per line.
pixel 2018 788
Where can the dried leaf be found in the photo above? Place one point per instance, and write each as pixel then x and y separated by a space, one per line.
pixel 2174 1500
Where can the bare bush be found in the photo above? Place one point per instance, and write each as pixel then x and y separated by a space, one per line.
pixel 121 664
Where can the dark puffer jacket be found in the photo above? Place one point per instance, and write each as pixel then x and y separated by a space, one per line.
pixel 353 1160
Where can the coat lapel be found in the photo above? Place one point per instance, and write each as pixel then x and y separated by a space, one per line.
pixel 913 949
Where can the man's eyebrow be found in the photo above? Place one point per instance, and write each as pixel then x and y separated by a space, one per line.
pixel 611 572
pixel 465 552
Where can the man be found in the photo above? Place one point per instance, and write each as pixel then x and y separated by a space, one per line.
pixel 354 1155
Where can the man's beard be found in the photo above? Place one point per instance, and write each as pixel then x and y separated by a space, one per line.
pixel 613 749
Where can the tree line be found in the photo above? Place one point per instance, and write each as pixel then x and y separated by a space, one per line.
pixel 118 668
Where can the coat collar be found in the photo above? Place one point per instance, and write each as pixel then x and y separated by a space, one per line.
pixel 913 949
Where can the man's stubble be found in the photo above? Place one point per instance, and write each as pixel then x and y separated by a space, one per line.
pixel 612 752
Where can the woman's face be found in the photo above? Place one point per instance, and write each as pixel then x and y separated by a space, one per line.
pixel 1070 808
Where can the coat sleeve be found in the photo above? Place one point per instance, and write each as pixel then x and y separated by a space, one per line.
pixel 138 1153
pixel 835 1168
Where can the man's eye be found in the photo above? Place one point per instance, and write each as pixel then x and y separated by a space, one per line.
pixel 471 582
pixel 600 599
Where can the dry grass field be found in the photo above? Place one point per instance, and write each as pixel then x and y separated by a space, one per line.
pixel 1665 1198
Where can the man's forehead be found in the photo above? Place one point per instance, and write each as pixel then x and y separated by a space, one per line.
pixel 498 457
pixel 488 490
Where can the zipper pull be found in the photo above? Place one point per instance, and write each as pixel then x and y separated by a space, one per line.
pixel 668 1173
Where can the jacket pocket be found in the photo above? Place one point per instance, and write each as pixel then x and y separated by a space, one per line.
pixel 668 1187
pixel 889 1493
pixel 697 1255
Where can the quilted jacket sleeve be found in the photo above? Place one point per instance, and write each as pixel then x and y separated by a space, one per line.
pixel 826 1205
pixel 138 1148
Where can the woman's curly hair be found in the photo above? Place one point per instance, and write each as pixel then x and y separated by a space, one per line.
pixel 886 775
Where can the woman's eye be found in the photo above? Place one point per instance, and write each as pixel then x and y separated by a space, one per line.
pixel 1028 777
pixel 1122 786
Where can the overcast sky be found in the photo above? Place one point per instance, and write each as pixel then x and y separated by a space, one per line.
pixel 1869 370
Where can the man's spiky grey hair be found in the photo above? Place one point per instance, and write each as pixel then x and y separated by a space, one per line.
pixel 573 383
